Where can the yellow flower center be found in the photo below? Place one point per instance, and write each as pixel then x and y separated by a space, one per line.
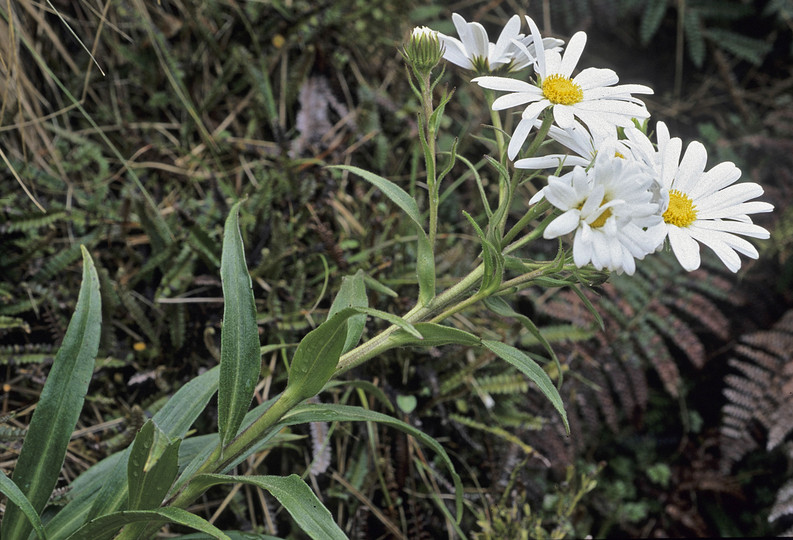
pixel 681 211
pixel 619 155
pixel 561 90
pixel 601 220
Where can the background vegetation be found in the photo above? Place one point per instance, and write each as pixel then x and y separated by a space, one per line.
pixel 131 127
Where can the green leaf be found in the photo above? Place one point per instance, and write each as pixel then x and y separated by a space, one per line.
pixel 425 269
pixel 397 195
pixel 294 495
pixel 234 535
pixel 425 258
pixel 103 488
pixel 328 412
pixel 86 490
pixel 105 527
pixel 15 495
pixel 351 293
pixel 532 370
pixel 59 406
pixel 318 353
pixel 435 335
pixel 492 258
pixel 240 360
pixel 151 468
pixel 316 357
pixel 499 306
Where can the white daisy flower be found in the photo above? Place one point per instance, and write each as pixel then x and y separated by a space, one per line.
pixel 590 96
pixel 708 207
pixel 581 142
pixel 610 207
pixel 474 52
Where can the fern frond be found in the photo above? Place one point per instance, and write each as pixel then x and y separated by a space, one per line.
pixel 32 221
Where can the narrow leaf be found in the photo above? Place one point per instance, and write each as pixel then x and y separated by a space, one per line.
pixel 351 293
pixel 294 495
pixel 425 260
pixel 500 307
pixel 532 370
pixel 397 195
pixel 15 495
pixel 435 335
pixel 240 360
pixel 328 412
pixel 59 406
pixel 105 527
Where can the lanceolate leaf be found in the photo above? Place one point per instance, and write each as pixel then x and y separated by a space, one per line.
pixel 500 306
pixel 59 406
pixel 425 263
pixel 15 495
pixel 317 355
pixel 240 360
pixel 328 412
pixel 295 495
pixel 105 527
pixel 351 293
pixel 434 335
pixel 152 467
pixel 397 195
pixel 102 488
pixel 532 370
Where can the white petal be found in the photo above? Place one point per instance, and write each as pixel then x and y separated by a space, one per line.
pixel 563 116
pixel 735 227
pixel 721 248
pixel 539 47
pixel 478 46
pixel 551 161
pixel 572 54
pixel 510 32
pixel 691 167
pixel 685 248
pixel 582 246
pixel 519 136
pixel 670 161
pixel 564 224
pixel 614 91
pixel 505 84
pixel 595 77
pixel 516 99
pixel 722 175
pixel 454 52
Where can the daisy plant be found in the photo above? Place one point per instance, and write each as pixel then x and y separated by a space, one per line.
pixel 614 198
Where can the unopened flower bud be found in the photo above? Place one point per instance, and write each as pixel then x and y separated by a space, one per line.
pixel 423 50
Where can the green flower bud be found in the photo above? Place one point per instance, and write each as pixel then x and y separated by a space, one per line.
pixel 423 50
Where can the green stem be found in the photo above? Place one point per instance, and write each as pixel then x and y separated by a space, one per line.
pixel 430 158
pixel 542 133
pixel 381 342
pixel 533 235
pixel 530 216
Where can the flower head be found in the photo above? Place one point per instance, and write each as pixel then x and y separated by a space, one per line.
pixel 611 209
pixel 591 96
pixel 581 142
pixel 707 207
pixel 423 50
pixel 474 52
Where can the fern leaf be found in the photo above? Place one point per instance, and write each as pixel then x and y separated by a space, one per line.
pixel 752 50
pixel 694 38
pixel 654 11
